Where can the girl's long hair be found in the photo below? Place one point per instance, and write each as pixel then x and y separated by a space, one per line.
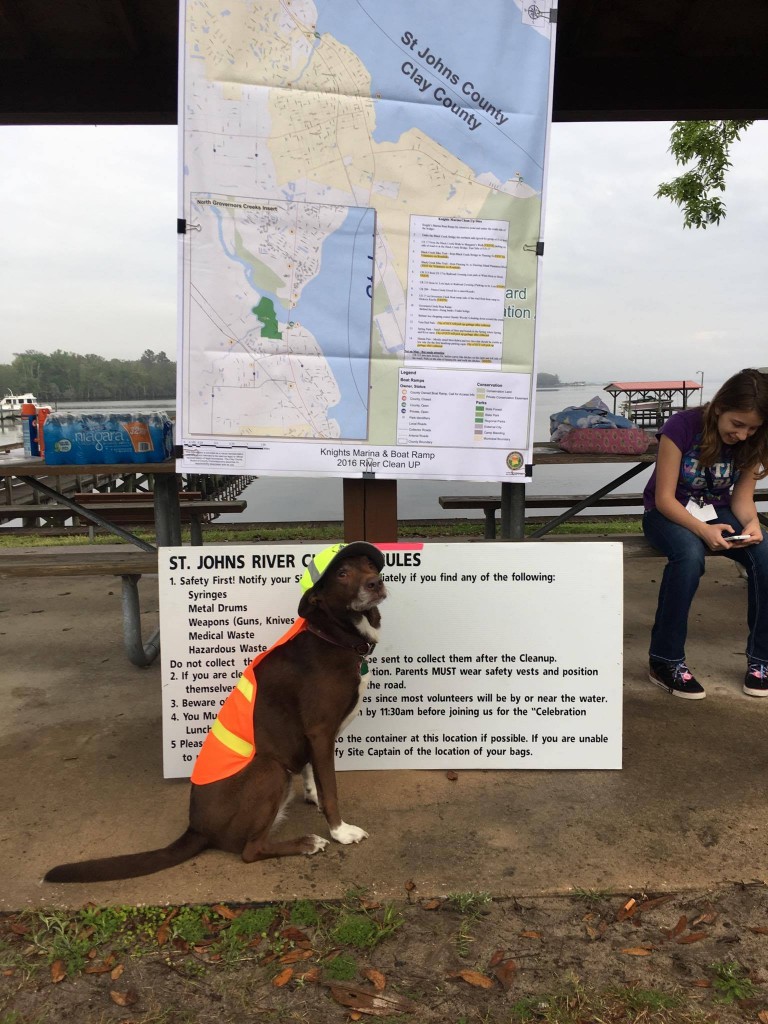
pixel 746 391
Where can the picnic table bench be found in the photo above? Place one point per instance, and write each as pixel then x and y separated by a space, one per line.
pixel 162 506
pixel 123 508
pixel 127 562
pixel 514 498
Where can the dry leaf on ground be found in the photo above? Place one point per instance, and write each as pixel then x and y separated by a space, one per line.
pixel 692 937
pixel 310 976
pixel 97 968
pixel 629 908
pixel 294 955
pixel 473 978
pixel 679 928
pixel 374 1004
pixel 708 917
pixel 58 971
pixel 505 973
pixel 127 998
pixel 376 978
pixel 651 904
pixel 227 912
pixel 283 977
pixel 637 950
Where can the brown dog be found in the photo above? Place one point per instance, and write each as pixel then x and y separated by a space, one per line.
pixel 308 689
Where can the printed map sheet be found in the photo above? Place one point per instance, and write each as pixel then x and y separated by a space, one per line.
pixel 362 194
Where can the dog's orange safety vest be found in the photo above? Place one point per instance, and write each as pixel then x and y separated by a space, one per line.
pixel 230 745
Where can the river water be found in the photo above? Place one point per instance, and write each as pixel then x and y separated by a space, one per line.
pixel 283 499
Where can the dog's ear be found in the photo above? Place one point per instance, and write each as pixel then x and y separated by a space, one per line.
pixel 308 601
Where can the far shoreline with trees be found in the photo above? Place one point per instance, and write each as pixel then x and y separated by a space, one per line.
pixel 70 377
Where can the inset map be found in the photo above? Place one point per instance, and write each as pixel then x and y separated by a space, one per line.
pixel 278 319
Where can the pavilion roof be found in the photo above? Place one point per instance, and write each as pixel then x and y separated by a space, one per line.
pixel 653 385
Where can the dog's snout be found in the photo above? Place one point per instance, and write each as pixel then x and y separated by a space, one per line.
pixel 375 583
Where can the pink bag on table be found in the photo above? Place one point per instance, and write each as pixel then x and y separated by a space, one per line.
pixel 605 441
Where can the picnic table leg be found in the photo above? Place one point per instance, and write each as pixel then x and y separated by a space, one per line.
pixel 512 511
pixel 89 514
pixel 167 515
pixel 586 502
pixel 195 529
pixel 139 653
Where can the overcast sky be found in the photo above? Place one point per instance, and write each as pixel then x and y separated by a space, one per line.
pixel 88 254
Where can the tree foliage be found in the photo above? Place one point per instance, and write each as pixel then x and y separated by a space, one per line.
pixel 706 146
pixel 69 377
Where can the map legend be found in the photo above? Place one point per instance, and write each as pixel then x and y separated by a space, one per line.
pixel 455 407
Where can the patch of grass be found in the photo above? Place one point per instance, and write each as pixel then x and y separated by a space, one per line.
pixel 340 968
pixel 57 937
pixel 362 929
pixel 308 532
pixel 577 1004
pixel 731 982
pixel 252 923
pixel 358 930
pixel 189 925
pixel 591 895
pixel 304 913
pixel 471 903
pixel 643 1002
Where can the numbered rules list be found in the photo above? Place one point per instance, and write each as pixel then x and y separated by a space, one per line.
pixel 491 655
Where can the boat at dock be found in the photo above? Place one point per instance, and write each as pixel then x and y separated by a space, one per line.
pixel 10 404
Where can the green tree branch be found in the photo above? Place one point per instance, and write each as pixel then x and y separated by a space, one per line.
pixel 706 145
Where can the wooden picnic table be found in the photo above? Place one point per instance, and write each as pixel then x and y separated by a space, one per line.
pixel 129 564
pixel 512 508
pixel 39 475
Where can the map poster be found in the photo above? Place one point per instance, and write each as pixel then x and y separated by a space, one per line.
pixel 531 680
pixel 361 215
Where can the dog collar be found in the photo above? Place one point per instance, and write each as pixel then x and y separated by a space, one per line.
pixel 362 647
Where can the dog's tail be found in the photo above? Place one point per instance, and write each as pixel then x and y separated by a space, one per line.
pixel 132 865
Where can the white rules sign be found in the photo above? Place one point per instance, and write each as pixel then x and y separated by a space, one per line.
pixel 491 655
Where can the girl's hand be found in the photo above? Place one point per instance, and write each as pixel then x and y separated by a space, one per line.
pixel 755 533
pixel 714 534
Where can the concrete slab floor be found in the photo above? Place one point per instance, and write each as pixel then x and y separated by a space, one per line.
pixel 82 777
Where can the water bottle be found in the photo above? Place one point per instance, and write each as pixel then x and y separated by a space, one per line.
pixel 42 416
pixel 29 429
pixel 54 450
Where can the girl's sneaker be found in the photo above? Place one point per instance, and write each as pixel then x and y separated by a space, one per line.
pixel 756 679
pixel 677 678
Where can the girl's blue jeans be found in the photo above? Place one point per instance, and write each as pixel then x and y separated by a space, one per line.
pixel 681 580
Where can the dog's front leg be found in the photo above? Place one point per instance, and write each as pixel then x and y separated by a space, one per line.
pixel 321 747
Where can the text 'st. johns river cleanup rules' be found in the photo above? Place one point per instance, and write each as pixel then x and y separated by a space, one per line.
pixel 491 655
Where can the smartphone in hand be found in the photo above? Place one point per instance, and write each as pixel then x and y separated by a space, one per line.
pixel 734 538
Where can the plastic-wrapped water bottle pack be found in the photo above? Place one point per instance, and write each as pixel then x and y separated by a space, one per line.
pixel 88 438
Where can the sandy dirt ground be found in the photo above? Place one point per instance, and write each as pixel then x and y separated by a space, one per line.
pixel 81 766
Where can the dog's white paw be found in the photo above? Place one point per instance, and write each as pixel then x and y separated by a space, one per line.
pixel 314 844
pixel 348 833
